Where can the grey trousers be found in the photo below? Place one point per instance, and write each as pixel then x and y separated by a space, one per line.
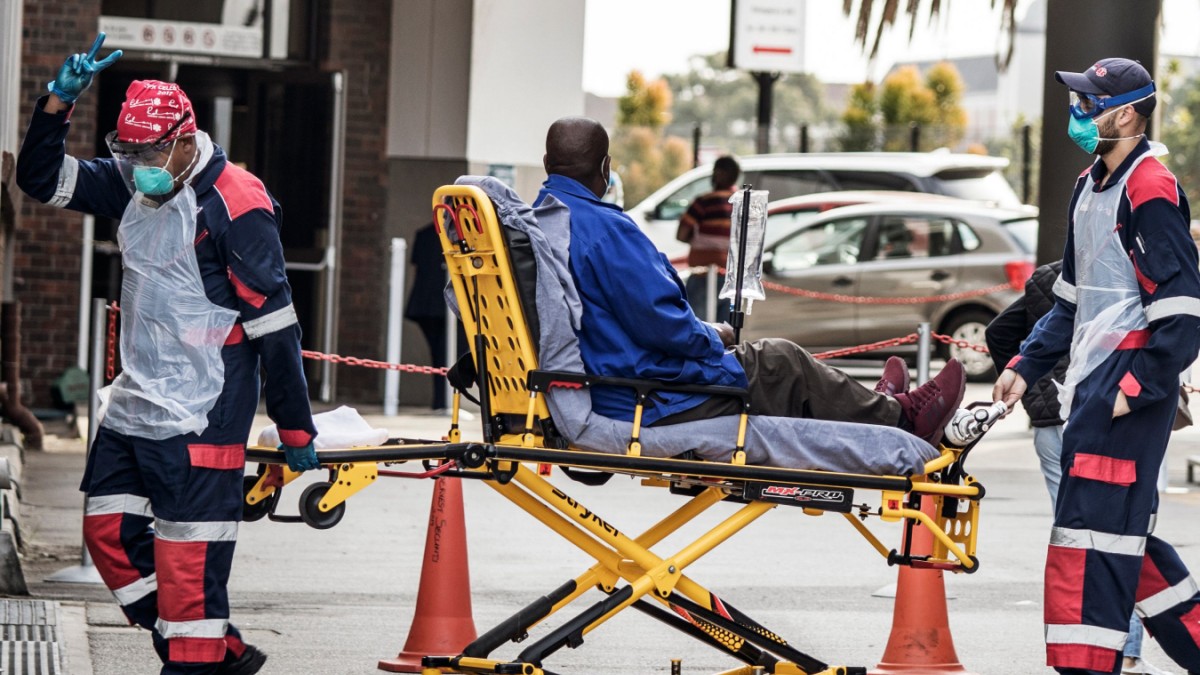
pixel 786 381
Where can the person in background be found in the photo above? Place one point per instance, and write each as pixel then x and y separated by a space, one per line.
pixel 706 226
pixel 205 303
pixel 426 304
pixel 615 194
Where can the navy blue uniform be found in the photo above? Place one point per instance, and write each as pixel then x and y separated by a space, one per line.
pixel 1102 558
pixel 171 579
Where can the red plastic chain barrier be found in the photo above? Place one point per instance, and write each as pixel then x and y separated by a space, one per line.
pixel 868 300
pixel 368 363
pixel 907 339
pixel 110 366
pixel 862 349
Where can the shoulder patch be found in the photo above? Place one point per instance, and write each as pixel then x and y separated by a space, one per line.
pixel 1151 180
pixel 241 191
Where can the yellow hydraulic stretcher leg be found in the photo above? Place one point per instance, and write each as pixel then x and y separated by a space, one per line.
pixel 274 478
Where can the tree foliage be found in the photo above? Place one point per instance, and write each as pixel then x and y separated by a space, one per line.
pixel 1180 102
pixel 645 104
pixel 884 116
pixel 643 156
pixel 890 9
pixel 724 102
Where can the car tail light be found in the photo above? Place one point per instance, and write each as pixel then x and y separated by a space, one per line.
pixel 1018 272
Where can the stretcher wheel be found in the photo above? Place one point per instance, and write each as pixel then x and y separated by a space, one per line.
pixel 310 507
pixel 253 512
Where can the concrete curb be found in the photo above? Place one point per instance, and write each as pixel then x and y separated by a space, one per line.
pixel 12 454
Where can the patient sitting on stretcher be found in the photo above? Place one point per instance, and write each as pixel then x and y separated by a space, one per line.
pixel 636 323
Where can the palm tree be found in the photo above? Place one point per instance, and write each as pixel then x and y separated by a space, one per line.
pixel 912 8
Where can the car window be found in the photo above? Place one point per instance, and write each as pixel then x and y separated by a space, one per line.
pixel 970 240
pixel 976 185
pixel 780 225
pixel 782 184
pixel 914 237
pixel 832 243
pixel 1025 231
pixel 872 180
pixel 674 206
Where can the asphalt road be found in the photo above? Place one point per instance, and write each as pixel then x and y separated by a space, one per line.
pixel 336 601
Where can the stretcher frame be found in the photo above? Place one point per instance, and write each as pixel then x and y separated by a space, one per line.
pixel 626 570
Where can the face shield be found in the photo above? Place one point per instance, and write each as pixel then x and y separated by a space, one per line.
pixel 134 157
pixel 1086 106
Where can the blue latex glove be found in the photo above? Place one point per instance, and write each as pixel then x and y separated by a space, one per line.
pixel 301 458
pixel 77 71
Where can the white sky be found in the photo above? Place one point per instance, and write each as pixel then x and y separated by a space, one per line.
pixel 658 36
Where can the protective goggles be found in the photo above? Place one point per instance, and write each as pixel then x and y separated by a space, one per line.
pixel 1085 106
pixel 147 152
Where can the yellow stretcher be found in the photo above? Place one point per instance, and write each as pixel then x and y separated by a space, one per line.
pixel 627 569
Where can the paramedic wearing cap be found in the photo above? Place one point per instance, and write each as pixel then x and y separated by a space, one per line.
pixel 204 303
pixel 1127 308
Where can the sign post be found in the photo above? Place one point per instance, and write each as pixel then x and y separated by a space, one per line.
pixel 766 37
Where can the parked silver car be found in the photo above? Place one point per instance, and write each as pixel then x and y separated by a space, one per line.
pixel 964 176
pixel 892 252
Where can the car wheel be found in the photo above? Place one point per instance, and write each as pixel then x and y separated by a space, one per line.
pixel 970 326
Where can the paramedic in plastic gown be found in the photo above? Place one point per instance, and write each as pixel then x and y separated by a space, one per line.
pixel 204 302
pixel 1127 307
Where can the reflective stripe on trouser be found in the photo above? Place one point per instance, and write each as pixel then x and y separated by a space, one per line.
pixel 1101 558
pixel 169 578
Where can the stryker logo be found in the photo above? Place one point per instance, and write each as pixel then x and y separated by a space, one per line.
pixel 803 494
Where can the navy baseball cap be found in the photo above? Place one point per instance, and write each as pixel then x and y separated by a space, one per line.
pixel 1111 77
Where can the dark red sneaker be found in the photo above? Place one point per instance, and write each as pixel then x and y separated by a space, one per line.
pixel 926 410
pixel 895 377
pixel 250 662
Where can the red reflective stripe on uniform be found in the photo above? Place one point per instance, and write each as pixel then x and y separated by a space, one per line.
pixel 180 568
pixel 1191 621
pixel 1151 180
pixel 1104 469
pixel 1130 385
pixel 236 335
pixel 1064 584
pixel 235 645
pixel 102 534
pixel 1085 657
pixel 297 438
pixel 1012 363
pixel 196 650
pixel 1134 339
pixel 217 456
pixel 1150 581
pixel 247 294
pixel 241 191
pixel 1146 282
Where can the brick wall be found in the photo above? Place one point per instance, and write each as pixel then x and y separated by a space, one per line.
pixel 47 241
pixel 355 39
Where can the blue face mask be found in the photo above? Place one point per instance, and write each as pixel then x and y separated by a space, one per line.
pixel 1084 132
pixel 154 180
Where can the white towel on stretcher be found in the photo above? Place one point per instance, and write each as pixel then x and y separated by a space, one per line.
pixel 339 428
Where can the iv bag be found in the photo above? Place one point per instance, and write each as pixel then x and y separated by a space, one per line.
pixel 752 288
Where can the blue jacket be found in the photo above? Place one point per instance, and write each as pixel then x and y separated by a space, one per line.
pixel 237 248
pixel 636 320
pixel 1154 220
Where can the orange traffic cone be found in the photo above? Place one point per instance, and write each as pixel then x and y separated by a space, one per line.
pixel 442 624
pixel 920 641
